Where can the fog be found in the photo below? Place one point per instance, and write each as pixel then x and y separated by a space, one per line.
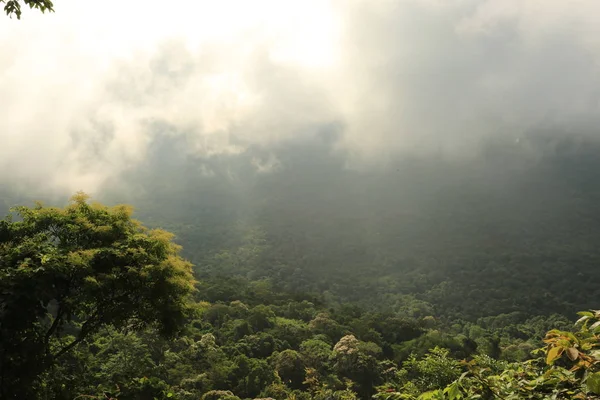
pixel 358 149
pixel 87 91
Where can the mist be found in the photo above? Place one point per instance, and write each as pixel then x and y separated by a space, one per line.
pixel 348 199
pixel 85 96
pixel 403 143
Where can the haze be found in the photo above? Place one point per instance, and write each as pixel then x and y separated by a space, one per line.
pixel 400 144
pixel 83 89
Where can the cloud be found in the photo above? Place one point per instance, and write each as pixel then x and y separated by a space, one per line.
pixel 434 76
pixel 82 91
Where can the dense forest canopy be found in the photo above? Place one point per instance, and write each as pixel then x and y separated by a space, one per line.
pixel 333 200
pixel 418 265
pixel 469 237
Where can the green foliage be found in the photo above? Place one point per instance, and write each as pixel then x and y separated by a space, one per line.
pixel 219 395
pixel 434 370
pixel 316 354
pixel 278 359
pixel 67 272
pixel 566 368
pixel 91 300
pixel 251 376
pixel 357 361
pixel 13 7
pixel 426 237
pixel 290 367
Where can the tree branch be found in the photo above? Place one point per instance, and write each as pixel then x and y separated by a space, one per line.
pixel 86 328
pixel 68 347
pixel 54 326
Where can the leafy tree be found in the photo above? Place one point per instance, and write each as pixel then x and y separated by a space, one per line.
pixel 567 367
pixel 261 317
pixel 290 331
pixel 66 272
pixel 13 7
pixel 357 361
pixel 252 376
pixel 316 354
pixel 323 324
pixel 290 368
pixel 260 345
pixel 435 370
pixel 219 395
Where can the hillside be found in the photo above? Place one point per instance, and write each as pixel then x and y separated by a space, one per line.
pixel 513 229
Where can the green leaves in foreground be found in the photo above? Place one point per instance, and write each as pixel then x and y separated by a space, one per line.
pixel 568 367
pixel 593 383
pixel 66 272
pixel 13 7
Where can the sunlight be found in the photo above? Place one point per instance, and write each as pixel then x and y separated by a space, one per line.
pixel 295 32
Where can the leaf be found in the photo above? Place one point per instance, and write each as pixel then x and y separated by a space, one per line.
pixel 593 383
pixel 585 313
pixel 453 391
pixel 595 325
pixel 553 354
pixel 572 353
pixel 428 395
pixel 582 319
pixel 595 354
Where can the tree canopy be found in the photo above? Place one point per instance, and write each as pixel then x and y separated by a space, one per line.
pixel 67 272
pixel 90 300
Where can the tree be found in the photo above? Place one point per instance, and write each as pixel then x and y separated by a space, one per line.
pixel 13 7
pixel 67 272
pixel 219 395
pixel 290 367
pixel 357 360
pixel 316 354
pixel 252 376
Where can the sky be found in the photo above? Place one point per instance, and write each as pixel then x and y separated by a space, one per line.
pixel 82 90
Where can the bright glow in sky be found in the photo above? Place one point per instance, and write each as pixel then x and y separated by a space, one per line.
pixel 55 66
pixel 295 31
pixel 82 89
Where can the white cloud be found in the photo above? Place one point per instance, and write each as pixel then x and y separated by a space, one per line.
pixel 80 89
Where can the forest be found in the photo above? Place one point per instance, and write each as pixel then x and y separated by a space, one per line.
pixel 405 211
pixel 290 296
